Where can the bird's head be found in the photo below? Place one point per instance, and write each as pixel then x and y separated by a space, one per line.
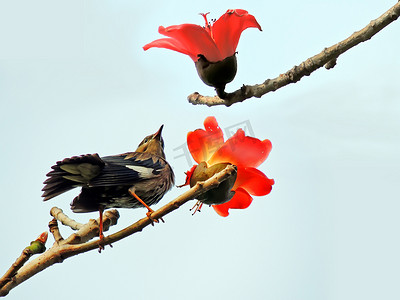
pixel 153 144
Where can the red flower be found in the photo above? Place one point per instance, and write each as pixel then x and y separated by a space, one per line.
pixel 209 45
pixel 247 153
pixel 214 41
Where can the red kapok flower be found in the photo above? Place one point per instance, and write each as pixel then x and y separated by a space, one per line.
pixel 214 41
pixel 212 47
pixel 211 152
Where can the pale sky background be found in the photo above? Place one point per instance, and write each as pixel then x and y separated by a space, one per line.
pixel 74 80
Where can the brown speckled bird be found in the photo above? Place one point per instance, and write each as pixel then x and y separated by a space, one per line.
pixel 129 180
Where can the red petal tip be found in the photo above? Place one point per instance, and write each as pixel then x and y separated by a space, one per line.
pixel 188 176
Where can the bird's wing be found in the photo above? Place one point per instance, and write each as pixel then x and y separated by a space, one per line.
pixel 128 168
pixel 70 173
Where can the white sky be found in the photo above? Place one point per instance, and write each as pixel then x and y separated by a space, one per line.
pixel 74 80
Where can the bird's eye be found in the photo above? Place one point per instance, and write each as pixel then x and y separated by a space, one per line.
pixel 144 141
pixel 147 139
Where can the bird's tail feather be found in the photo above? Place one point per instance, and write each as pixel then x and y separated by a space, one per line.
pixel 62 178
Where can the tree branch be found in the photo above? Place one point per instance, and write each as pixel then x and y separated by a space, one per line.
pixel 78 242
pixel 59 215
pixel 37 246
pixel 326 58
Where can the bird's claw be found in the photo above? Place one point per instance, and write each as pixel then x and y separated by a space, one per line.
pixel 153 220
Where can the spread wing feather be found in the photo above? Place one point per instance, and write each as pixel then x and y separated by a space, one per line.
pixel 92 171
pixel 127 169
pixel 70 173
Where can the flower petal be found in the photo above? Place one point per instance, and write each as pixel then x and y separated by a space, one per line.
pixel 171 44
pixel 242 150
pixel 241 200
pixel 253 181
pixel 228 28
pixel 194 39
pixel 203 143
pixel 188 176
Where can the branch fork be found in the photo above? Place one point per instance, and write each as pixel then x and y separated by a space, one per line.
pixel 80 241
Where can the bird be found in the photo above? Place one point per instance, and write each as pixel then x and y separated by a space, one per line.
pixel 128 180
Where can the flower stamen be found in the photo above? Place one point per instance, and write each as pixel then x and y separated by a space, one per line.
pixel 197 207
pixel 207 26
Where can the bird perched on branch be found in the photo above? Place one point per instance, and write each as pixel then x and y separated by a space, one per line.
pixel 128 180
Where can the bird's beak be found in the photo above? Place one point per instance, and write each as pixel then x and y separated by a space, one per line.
pixel 157 135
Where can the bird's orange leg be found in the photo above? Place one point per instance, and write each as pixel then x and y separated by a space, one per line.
pixel 150 211
pixel 101 235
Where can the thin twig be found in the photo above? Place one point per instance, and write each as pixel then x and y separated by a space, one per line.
pixel 327 58
pixel 75 244
pixel 53 227
pixel 20 261
pixel 37 246
pixel 58 214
